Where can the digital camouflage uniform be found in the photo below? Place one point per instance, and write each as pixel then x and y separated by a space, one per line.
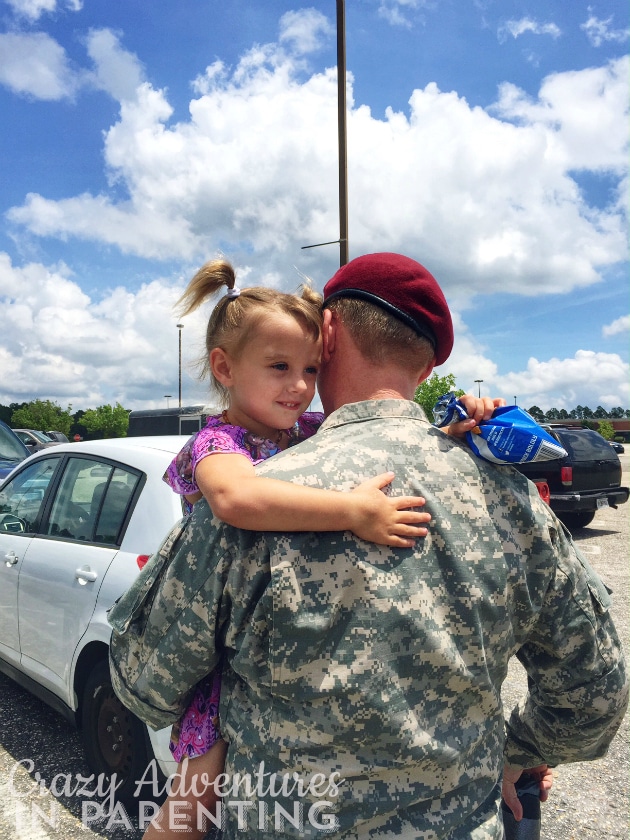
pixel 381 668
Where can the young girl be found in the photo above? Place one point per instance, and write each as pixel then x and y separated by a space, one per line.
pixel 263 353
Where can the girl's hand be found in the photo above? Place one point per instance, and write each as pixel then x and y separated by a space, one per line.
pixel 387 520
pixel 478 409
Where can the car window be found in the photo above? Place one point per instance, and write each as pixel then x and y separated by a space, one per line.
pixel 10 448
pixel 586 445
pixel 92 501
pixel 21 498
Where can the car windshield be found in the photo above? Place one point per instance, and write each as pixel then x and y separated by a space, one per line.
pixel 41 437
pixel 10 449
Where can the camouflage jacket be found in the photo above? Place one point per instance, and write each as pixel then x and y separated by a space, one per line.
pixel 361 692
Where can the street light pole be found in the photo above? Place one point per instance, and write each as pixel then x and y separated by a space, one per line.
pixel 167 397
pixel 342 141
pixel 479 381
pixel 341 128
pixel 180 327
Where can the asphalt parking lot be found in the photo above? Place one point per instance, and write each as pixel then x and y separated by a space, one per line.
pixel 44 792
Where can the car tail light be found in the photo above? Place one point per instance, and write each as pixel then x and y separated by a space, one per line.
pixel 142 559
pixel 566 476
pixel 543 491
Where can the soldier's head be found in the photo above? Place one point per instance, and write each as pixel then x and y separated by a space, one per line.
pixel 394 311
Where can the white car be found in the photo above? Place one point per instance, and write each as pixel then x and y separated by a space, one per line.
pixel 77 521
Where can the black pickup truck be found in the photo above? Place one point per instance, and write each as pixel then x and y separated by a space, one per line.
pixel 587 479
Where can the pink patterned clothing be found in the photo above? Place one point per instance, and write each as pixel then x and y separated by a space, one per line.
pixel 198 728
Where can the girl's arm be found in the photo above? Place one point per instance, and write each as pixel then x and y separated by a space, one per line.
pixel 478 410
pixel 241 498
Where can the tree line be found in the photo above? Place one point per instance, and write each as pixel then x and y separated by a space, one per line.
pixel 431 389
pixel 113 420
pixel 106 421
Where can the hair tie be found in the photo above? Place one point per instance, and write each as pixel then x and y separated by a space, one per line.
pixel 233 293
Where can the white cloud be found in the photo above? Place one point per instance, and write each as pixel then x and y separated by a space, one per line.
pixel 599 31
pixel 565 383
pixel 516 28
pixel 583 114
pixel 34 64
pixel 396 12
pixel 59 344
pixel 620 325
pixel 486 196
pixel 118 72
pixel 305 30
pixel 34 9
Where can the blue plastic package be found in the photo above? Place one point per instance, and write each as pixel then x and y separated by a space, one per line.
pixel 511 436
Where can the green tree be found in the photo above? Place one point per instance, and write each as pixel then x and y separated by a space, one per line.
pixel 428 392
pixel 606 429
pixel 537 413
pixel 552 414
pixel 600 412
pixel 42 415
pixel 111 421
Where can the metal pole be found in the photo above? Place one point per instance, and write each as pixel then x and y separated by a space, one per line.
pixel 180 327
pixel 479 381
pixel 341 125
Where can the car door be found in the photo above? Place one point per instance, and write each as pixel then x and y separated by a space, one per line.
pixel 21 507
pixel 66 562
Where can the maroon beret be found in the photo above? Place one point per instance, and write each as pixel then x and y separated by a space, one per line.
pixel 402 287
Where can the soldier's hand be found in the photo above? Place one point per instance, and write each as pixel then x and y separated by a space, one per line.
pixel 542 772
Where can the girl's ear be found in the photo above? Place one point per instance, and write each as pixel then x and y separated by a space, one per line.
pixel 221 366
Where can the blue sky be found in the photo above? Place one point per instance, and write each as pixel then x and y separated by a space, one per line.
pixel 488 139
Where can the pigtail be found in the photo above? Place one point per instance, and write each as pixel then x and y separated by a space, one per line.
pixel 206 283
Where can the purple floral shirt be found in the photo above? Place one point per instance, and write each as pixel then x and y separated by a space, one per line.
pixel 225 439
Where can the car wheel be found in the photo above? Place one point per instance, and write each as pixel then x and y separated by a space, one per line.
pixel 580 519
pixel 114 739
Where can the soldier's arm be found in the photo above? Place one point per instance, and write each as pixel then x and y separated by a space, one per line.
pixel 578 688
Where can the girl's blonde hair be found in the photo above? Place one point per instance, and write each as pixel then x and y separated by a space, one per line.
pixel 235 318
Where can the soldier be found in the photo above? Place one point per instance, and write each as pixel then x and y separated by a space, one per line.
pixel 362 683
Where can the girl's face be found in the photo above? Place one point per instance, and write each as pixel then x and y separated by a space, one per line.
pixel 272 382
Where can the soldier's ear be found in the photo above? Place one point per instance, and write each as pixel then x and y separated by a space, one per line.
pixel 329 331
pixel 426 373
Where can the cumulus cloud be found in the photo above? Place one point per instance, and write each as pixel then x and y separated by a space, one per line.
pixel 583 113
pixel 34 64
pixel 60 344
pixel 487 195
pixel 305 31
pixel 516 28
pixel 565 383
pixel 588 378
pixel 599 31
pixel 32 10
pixel 397 12
pixel 620 325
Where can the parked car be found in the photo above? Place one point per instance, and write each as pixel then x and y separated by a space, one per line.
pixel 77 521
pixel 12 450
pixel 618 447
pixel 34 440
pixel 586 480
pixel 57 436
